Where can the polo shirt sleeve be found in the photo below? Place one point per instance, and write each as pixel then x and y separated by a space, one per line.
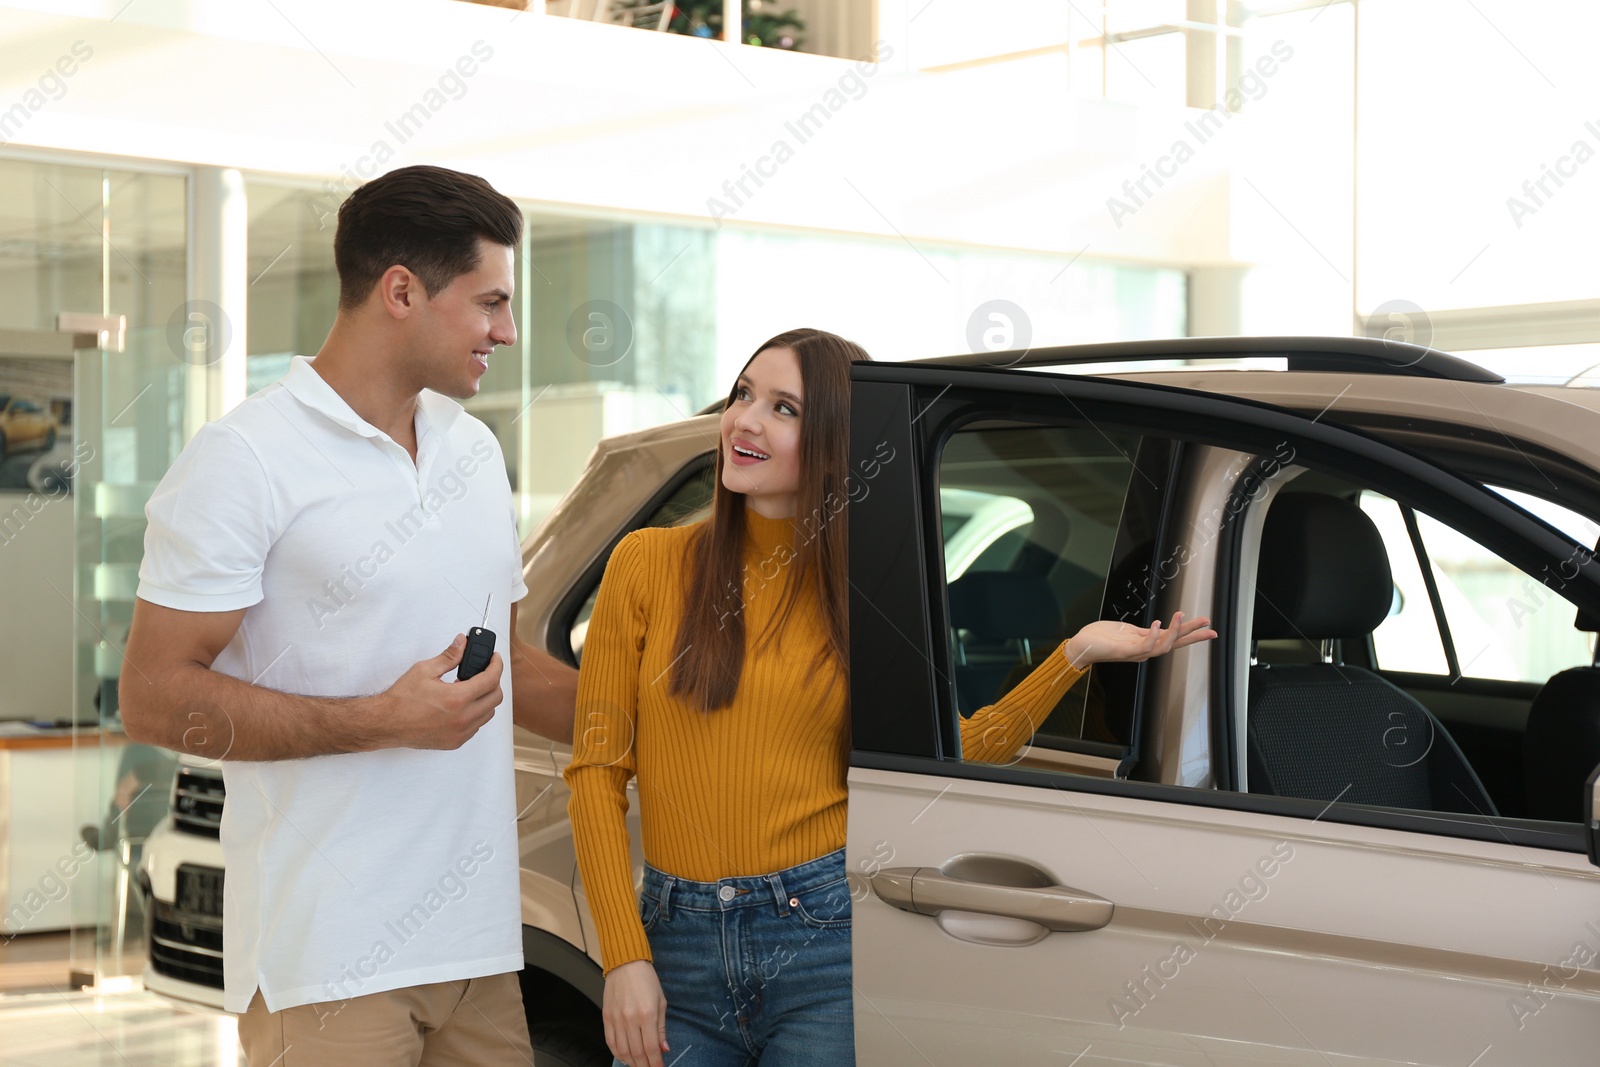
pixel 211 523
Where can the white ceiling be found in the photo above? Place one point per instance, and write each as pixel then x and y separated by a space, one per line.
pixel 602 119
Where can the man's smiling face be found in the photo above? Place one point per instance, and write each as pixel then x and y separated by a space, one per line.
pixel 459 327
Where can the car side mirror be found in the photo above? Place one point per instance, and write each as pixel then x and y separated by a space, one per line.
pixel 1591 815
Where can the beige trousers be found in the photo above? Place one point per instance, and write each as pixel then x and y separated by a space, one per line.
pixel 444 1024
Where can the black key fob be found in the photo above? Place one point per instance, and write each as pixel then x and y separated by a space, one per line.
pixel 475 657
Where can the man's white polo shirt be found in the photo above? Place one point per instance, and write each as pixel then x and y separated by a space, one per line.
pixel 351 874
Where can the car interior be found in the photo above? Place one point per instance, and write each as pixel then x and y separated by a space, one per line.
pixel 999 620
pixel 1327 729
pixel 1350 695
pixel 1561 744
pixel 1331 716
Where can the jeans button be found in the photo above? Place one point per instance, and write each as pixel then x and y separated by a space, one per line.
pixel 726 892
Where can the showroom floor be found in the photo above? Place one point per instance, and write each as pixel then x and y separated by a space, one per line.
pixel 124 1029
pixel 43 1024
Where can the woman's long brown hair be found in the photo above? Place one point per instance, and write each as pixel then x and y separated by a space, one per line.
pixel 709 654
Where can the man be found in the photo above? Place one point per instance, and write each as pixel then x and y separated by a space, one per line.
pixel 307 558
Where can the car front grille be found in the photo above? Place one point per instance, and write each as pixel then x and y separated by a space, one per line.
pixel 185 938
pixel 197 796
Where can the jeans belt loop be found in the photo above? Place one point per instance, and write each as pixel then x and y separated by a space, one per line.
pixel 667 882
pixel 780 895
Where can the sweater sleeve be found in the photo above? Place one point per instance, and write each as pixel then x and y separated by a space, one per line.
pixel 994 734
pixel 603 757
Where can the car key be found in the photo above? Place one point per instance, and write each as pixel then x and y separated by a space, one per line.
pixel 480 648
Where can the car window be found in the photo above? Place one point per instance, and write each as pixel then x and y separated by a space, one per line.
pixel 1404 702
pixel 1503 623
pixel 1032 516
pixel 1580 528
pixel 1409 639
pixel 688 503
pixel 982 530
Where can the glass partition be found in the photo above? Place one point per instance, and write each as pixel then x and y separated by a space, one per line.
pixel 629 323
pixel 133 399
pixel 88 422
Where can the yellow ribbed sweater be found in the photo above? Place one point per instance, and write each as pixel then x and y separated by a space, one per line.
pixel 748 789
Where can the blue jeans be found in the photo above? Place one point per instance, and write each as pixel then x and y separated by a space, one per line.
pixel 756 970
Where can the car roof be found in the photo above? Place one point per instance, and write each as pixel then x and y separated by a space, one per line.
pixel 1352 380
pixel 1350 355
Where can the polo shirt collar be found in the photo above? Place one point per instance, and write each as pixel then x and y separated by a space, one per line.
pixel 311 389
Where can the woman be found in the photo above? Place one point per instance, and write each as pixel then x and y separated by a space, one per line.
pixel 715 671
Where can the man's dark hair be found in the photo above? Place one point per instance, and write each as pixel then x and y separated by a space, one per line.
pixel 426 219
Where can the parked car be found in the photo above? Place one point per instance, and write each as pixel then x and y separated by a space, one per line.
pixel 1356 828
pixel 25 424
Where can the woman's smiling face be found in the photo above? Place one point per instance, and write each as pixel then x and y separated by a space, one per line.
pixel 761 433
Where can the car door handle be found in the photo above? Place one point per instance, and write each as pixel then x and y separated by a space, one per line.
pixel 929 891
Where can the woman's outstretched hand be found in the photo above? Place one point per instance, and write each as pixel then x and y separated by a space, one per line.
pixel 1121 642
pixel 635 1014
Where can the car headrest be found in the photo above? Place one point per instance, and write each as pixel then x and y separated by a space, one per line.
pixel 1002 605
pixel 1586 622
pixel 1324 571
pixel 1561 744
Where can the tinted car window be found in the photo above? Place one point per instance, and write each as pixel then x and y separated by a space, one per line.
pixel 1433 726
pixel 1409 639
pixel 1027 564
pixel 1503 623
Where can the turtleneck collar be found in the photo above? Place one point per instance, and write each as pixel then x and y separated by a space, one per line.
pixel 764 535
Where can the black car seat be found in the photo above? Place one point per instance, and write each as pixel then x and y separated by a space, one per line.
pixel 1000 618
pixel 1562 742
pixel 1329 731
